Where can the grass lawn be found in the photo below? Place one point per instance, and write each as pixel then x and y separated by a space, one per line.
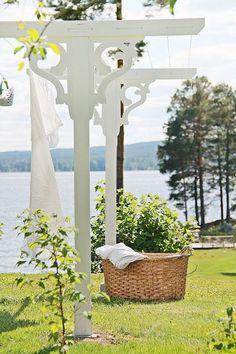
pixel 140 328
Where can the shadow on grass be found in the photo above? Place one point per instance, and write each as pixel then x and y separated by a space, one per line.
pixel 119 301
pixel 46 350
pixel 9 322
pixel 229 274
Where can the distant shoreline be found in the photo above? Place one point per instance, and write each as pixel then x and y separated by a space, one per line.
pixel 138 157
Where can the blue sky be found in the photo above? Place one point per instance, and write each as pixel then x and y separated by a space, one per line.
pixel 213 52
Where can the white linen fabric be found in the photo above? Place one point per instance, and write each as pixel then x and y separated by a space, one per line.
pixel 120 255
pixel 44 135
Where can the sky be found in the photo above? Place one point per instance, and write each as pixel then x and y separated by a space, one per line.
pixel 212 52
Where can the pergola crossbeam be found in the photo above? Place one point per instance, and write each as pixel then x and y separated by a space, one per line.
pixel 108 29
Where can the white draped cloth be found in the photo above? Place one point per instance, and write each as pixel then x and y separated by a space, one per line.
pixel 119 255
pixel 44 135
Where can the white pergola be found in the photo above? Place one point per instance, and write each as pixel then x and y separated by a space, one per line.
pixel 92 82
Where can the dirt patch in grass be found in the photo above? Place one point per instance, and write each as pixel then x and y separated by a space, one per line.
pixel 100 338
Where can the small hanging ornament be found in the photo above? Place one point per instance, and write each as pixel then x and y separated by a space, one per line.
pixel 6 93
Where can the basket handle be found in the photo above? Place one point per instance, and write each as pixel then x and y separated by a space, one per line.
pixel 3 82
pixel 187 250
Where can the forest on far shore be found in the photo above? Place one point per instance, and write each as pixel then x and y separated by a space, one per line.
pixel 139 156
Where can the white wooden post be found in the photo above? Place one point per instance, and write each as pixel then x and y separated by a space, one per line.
pixel 79 72
pixel 111 116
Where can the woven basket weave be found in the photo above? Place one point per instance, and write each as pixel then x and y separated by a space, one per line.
pixel 161 276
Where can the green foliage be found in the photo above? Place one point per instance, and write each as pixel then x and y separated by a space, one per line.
pixel 50 253
pixel 78 9
pixel 145 224
pixel 158 227
pixel 217 230
pixel 1 230
pixel 224 340
pixel 33 42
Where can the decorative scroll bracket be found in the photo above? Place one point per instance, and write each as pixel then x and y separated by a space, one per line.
pixel 54 74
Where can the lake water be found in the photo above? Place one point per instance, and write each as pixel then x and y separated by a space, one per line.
pixel 14 192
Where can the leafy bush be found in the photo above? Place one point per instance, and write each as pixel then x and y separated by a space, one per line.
pixel 224 339
pixel 145 224
pixel 158 227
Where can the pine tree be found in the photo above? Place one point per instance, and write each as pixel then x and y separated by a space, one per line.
pixel 184 150
pixel 222 143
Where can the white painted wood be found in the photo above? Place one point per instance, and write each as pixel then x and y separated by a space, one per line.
pixel 109 29
pixel 137 75
pixel 144 75
pixel 79 92
pixel 111 116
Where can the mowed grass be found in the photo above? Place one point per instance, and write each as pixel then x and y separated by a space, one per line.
pixel 139 328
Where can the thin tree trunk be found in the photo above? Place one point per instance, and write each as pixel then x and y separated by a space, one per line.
pixel 201 193
pixel 227 189
pixel 120 139
pixel 185 201
pixel 120 159
pixel 200 169
pixel 220 182
pixel 196 198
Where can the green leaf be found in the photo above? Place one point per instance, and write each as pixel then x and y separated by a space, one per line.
pixel 55 48
pixel 19 263
pixel 55 327
pixel 21 65
pixel 43 52
pixel 22 39
pixel 40 4
pixel 19 281
pixel 172 5
pixel 41 284
pixel 33 33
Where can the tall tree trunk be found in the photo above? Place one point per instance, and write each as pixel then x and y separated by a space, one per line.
pixel 201 192
pixel 199 161
pixel 196 197
pixel 220 182
pixel 227 187
pixel 185 201
pixel 120 159
pixel 120 139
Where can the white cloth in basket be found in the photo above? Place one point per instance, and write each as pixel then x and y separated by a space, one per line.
pixel 120 255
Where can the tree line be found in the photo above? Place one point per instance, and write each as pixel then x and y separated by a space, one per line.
pixel 199 151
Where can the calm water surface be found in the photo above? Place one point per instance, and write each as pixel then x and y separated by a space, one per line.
pixel 14 192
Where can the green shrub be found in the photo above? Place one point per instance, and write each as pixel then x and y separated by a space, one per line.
pixel 145 224
pixel 224 339
pixel 158 227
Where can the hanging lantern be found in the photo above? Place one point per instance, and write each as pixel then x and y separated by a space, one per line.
pixel 6 93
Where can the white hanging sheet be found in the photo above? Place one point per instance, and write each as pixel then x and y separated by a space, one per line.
pixel 44 135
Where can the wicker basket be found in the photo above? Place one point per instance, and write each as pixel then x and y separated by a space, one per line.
pixel 161 276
